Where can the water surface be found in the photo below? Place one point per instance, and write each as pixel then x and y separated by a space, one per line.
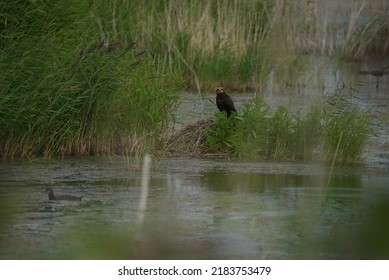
pixel 207 209
pixel 211 208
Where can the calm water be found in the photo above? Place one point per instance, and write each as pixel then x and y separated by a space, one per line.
pixel 210 209
pixel 206 209
pixel 196 209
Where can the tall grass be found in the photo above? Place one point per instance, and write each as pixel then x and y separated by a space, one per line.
pixel 70 84
pixel 347 130
pixel 351 29
pixel 73 78
pixel 211 42
pixel 334 131
pixel 238 43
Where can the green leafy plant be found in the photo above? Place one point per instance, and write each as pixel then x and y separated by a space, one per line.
pixel 70 85
pixel 333 131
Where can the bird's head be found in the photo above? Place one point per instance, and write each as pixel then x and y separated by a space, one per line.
pixel 219 90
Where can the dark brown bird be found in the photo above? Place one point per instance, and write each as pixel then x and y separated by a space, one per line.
pixel 61 197
pixel 224 102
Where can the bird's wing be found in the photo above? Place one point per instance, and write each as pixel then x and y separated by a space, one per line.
pixel 228 101
pixel 219 103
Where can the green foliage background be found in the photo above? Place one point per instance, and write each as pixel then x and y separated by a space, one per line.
pixel 71 84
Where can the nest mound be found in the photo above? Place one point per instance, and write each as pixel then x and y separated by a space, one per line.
pixel 190 140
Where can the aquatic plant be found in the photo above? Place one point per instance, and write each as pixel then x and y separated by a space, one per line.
pixel 71 85
pixel 334 131
pixel 91 77
pixel 371 38
pixel 317 28
pixel 253 126
pixel 238 43
pixel 220 134
pixel 346 130
pixel 211 42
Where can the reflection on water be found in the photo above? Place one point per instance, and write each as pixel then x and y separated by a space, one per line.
pixel 196 209
pixel 213 208
pixel 207 209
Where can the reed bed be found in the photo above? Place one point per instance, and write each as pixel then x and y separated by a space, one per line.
pixel 96 77
pixel 71 85
pixel 210 42
pixel 240 43
pixel 351 30
pixel 334 132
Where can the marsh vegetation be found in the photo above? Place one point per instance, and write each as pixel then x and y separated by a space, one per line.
pixel 333 131
pixel 96 77
pixel 109 78
pixel 72 85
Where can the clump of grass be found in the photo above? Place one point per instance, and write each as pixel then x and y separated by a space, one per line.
pixel 220 134
pixel 72 86
pixel 253 126
pixel 308 137
pixel 335 132
pixel 346 130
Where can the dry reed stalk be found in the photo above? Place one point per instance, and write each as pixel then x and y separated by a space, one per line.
pixel 352 26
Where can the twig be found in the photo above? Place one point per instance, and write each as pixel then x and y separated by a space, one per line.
pixel 212 102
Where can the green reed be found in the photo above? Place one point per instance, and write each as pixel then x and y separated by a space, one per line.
pixel 91 77
pixel 333 131
pixel 70 84
pixel 347 130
